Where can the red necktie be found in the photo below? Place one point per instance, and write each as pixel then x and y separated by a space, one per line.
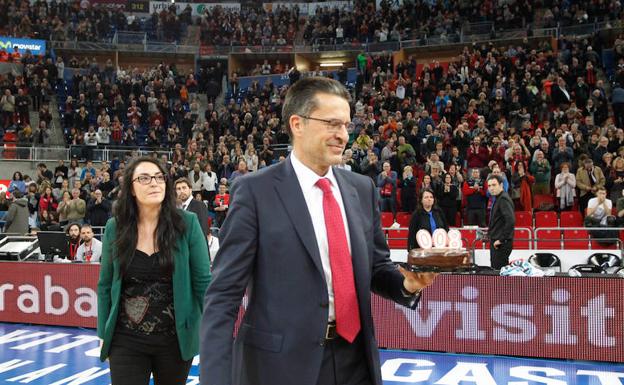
pixel 345 298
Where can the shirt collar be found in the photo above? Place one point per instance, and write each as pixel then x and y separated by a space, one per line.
pixel 308 178
pixel 187 202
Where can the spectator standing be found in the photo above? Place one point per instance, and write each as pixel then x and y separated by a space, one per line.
pixel 502 223
pixel 474 192
pixel 589 179
pixel 16 219
pixel 387 184
pixel 98 209
pixel 428 216
pixel 565 185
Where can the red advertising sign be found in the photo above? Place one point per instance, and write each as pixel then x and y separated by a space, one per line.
pixel 555 317
pixel 4 184
pixel 49 294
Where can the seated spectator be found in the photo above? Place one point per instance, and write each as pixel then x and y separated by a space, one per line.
pixel 90 250
pixel 599 210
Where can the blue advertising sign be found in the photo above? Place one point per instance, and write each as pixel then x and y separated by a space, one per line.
pixel 45 355
pixel 36 47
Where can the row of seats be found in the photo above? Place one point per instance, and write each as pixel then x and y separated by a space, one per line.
pixel 539 219
pixel 524 239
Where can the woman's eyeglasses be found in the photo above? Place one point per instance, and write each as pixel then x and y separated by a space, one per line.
pixel 147 179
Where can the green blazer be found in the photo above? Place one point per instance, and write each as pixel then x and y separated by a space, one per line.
pixel 191 276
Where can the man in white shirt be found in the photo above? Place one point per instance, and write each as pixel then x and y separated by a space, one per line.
pixel 598 209
pixel 302 236
pixel 91 249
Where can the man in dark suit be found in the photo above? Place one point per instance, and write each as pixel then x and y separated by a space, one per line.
pixel 304 240
pixel 184 194
pixel 502 223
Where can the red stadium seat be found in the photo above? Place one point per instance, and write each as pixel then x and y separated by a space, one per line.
pixel 575 239
pixel 546 219
pixel 404 218
pixel 386 219
pixel 397 239
pixel 548 239
pixel 571 219
pixel 522 238
pixel 468 238
pixel 524 219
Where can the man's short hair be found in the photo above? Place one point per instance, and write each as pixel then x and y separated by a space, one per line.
pixel 498 178
pixel 601 188
pixel 182 180
pixel 301 97
pixel 86 225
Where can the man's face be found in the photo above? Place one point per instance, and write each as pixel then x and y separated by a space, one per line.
pixel 183 192
pixel 319 144
pixel 86 233
pixel 601 194
pixel 494 187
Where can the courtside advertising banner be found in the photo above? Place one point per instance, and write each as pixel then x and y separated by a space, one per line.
pixel 49 294
pixel 36 47
pixel 556 317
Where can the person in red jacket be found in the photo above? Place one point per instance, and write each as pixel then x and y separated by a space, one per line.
pixel 47 202
pixel 477 155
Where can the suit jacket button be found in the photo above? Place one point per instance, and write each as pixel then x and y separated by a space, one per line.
pixel 321 341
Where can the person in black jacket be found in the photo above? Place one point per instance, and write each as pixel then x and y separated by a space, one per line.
pixel 186 202
pixel 427 216
pixel 502 223
pixel 447 199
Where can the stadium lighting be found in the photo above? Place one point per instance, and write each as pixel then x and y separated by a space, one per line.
pixel 333 64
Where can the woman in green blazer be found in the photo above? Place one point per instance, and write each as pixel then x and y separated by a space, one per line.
pixel 154 271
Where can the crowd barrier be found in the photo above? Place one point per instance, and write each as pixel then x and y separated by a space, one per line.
pixel 552 317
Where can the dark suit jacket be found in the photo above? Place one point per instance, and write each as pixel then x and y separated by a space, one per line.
pixel 420 220
pixel 558 96
pixel 200 209
pixel 268 248
pixel 502 219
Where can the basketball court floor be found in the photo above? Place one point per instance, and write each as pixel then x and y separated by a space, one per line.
pixel 46 355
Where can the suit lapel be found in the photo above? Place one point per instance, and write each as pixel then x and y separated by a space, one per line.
pixel 289 191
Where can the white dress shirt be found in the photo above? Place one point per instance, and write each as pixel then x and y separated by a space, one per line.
pixel 184 206
pixel 314 200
